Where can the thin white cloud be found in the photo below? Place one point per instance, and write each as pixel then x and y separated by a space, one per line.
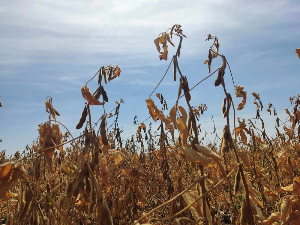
pixel 120 28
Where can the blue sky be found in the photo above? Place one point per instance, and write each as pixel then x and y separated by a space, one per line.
pixel 51 48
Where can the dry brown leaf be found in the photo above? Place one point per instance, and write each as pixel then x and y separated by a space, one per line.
pixel 163 39
pixel 81 200
pixel 116 72
pixel 294 218
pixel 240 131
pixel 273 218
pixel 296 186
pixel 118 157
pixel 246 215
pixel 131 172
pixel 104 174
pixel 50 109
pixel 110 115
pixel 89 97
pixel 173 115
pixel 48 156
pixel 244 157
pixel 169 40
pixel 183 114
pixel 143 126
pixel 259 213
pixel 10 172
pixel 156 42
pixel 57 136
pixel 195 208
pixel 252 191
pixel 239 92
pixel 102 214
pixel 150 105
pixel 105 148
pixel 255 95
pixel 164 55
pixel 158 95
pixel 284 207
pixel 214 156
pixel 222 169
pixel 47 142
pixel 288 188
pixel 298 52
pixel 195 157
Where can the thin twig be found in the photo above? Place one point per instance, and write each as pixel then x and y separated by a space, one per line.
pixel 162 78
pixel 199 82
pixel 63 126
pixel 92 77
pixel 56 146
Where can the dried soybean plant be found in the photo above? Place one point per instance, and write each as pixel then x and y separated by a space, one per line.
pixel 162 176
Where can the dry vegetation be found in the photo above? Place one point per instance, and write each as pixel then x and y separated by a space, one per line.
pixel 170 178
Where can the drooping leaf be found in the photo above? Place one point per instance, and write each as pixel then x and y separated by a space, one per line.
pixel 239 91
pixel 151 107
pixel 169 40
pixel 164 54
pixel 50 109
pixel 89 97
pixel 284 207
pixel 255 95
pixel 206 151
pixel 196 157
pixel 274 217
pixel 56 136
pixel 48 139
pixel 163 39
pixel 116 72
pixel 10 172
pixel 156 42
pixel 246 215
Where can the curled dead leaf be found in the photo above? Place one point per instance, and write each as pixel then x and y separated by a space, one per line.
pixel 10 172
pixel 239 92
pixel 195 157
pixel 214 156
pixel 89 97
